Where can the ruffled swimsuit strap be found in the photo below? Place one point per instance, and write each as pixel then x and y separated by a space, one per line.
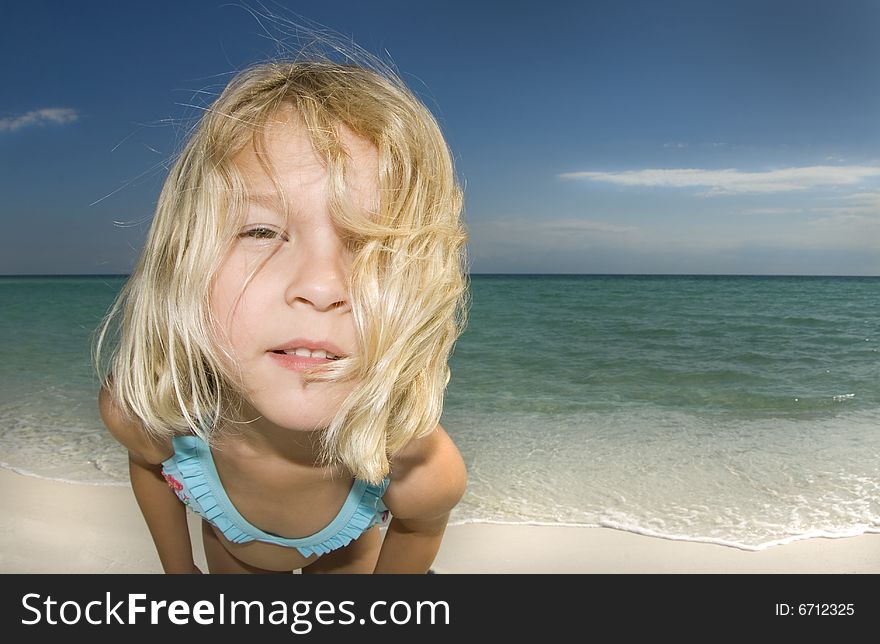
pixel 202 490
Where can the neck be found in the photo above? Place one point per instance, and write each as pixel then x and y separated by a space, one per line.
pixel 265 438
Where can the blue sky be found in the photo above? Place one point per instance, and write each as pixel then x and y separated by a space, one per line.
pixel 593 137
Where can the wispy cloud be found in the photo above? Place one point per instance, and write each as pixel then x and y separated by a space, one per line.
pixel 568 226
pixel 516 227
pixel 772 211
pixel 866 199
pixel 732 181
pixel 56 115
pixel 860 206
pixel 680 145
pixel 510 233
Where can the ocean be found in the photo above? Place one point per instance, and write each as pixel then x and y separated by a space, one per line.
pixel 742 411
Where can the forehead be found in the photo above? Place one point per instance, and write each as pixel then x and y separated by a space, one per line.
pixel 286 148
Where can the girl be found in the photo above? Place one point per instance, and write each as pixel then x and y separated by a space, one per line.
pixel 283 340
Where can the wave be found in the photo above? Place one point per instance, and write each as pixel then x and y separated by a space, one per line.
pixel 855 531
pixel 60 479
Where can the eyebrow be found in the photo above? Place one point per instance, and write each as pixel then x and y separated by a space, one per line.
pixel 271 202
pixel 267 199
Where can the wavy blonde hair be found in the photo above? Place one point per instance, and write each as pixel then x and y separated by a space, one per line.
pixel 408 286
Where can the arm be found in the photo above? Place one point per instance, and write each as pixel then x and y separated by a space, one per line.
pixel 164 514
pixel 428 480
pixel 411 545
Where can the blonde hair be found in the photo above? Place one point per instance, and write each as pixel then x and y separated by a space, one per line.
pixel 408 286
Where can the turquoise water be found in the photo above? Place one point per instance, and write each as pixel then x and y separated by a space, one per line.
pixel 734 410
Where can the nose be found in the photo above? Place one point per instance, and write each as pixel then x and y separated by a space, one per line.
pixel 318 274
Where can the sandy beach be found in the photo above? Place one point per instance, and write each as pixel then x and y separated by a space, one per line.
pixel 55 527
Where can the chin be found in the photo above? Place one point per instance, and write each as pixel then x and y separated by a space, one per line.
pixel 296 417
pixel 304 426
pixel 292 405
pixel 301 413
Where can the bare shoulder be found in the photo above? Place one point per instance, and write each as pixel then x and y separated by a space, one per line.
pixel 131 433
pixel 428 477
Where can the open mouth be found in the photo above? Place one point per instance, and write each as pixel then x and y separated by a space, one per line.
pixel 307 353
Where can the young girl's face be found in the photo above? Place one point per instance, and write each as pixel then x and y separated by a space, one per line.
pixel 299 295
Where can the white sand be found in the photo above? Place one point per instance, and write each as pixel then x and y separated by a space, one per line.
pixel 55 527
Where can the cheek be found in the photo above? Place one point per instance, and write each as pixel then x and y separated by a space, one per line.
pixel 226 305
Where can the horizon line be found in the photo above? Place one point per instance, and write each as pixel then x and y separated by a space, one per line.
pixel 5 275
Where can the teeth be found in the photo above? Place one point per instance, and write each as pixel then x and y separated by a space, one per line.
pixel 306 353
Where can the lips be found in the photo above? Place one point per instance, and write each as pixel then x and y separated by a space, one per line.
pixel 302 352
pixel 306 348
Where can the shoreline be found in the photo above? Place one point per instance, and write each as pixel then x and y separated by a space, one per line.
pixel 49 526
pixel 520 524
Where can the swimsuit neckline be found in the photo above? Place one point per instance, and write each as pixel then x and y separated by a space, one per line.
pixel 349 507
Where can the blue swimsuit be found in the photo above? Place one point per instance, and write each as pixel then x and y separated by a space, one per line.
pixel 192 474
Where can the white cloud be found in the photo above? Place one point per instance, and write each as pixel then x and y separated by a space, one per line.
pixel 57 115
pixel 578 226
pixel 870 199
pixel 703 144
pixel 521 232
pixel 732 181
pixel 771 211
pixel 536 227
pixel 861 204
